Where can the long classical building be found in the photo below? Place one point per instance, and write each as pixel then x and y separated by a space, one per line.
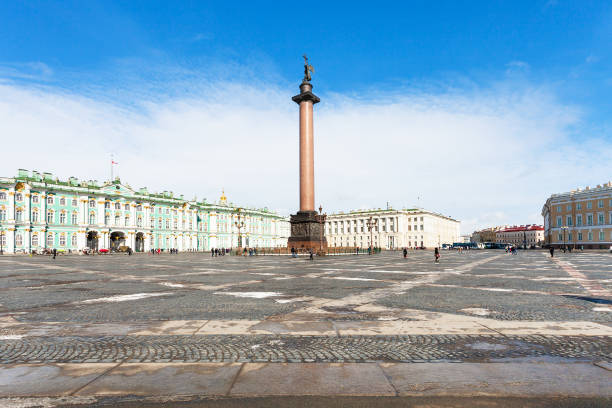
pixel 38 211
pixel 391 229
pixel 521 235
pixel 580 218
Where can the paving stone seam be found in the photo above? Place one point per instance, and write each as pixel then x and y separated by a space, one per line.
pixel 95 378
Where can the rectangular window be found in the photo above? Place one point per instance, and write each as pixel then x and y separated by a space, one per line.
pixel 590 235
pixel 74 203
pixel 62 218
pixel 589 205
pixel 559 221
pixel 49 217
pixel 569 220
pixel 62 201
pixel 49 240
pixel 589 219
pixel 579 206
pixel 35 216
pixel 600 204
pixel 74 219
pixel 35 199
pixel 73 240
pixel 558 208
pixel 560 237
pixel 601 235
pixel 600 219
pixel 34 240
pixel 92 218
pixel 62 240
pixel 579 220
pixel 580 236
pixel 569 237
pixel 569 207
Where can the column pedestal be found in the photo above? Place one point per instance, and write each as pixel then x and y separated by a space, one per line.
pixel 307 232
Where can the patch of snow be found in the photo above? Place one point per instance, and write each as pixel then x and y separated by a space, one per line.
pixel 353 279
pixel 477 311
pixel 123 298
pixel 12 337
pixel 172 285
pixel 602 309
pixel 254 295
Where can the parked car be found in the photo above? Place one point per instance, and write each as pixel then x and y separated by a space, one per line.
pixel 611 249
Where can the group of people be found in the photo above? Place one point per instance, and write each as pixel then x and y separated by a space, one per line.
pixel 157 251
pixel 218 252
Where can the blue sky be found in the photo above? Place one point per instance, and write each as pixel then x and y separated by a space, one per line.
pixel 131 64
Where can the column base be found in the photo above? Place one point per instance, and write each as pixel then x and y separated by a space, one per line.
pixel 307 232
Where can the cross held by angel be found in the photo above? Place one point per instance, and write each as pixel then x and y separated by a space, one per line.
pixel 308 69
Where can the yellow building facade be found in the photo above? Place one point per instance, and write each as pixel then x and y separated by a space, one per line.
pixel 579 218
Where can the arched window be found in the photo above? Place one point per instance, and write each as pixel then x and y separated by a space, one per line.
pixel 35 240
pixel 18 197
pixel 62 240
pixel 63 201
pixel 73 240
pixel 62 217
pixel 35 215
pixel 2 195
pixel 74 218
pixel 35 199
pixel 126 207
pixel 74 202
pixel 50 239
pixel 50 217
pixel 92 203
pixel 2 214
pixel 19 215
pixel 117 220
pixel 117 206
pixel 18 239
pixel 92 218
pixel 50 200
pixel 139 222
pixel 107 204
pixel 127 220
pixel 106 219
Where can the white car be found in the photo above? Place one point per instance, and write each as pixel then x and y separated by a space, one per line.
pixel 611 249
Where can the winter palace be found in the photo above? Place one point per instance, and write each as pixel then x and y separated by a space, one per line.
pixel 38 212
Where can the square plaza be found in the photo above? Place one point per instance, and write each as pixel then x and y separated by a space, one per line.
pixel 219 318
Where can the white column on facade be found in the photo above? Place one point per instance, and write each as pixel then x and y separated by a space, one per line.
pixel 10 212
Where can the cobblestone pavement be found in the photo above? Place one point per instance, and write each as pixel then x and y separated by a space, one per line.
pixel 485 286
pixel 492 284
pixel 261 348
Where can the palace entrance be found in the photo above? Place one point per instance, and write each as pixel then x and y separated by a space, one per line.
pixel 139 242
pixel 92 240
pixel 117 239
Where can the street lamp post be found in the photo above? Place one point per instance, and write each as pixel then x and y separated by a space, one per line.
pixel 321 218
pixel 239 224
pixel 1 242
pixel 371 223
pixel 564 230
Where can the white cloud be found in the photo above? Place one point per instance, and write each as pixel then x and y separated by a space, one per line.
pixel 485 157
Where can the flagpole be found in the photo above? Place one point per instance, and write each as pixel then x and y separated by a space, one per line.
pixel 112 163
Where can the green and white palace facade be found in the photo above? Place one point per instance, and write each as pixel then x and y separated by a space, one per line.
pixel 38 212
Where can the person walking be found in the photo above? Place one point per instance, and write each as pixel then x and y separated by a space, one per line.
pixel 552 252
pixel 311 255
pixel 405 253
pixel 54 252
pixel 436 255
pixel 293 252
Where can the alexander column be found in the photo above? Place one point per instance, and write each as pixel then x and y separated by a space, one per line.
pixel 306 227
